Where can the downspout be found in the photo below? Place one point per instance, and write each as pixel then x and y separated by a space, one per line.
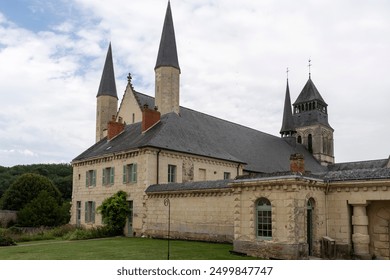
pixel 326 206
pixel 158 166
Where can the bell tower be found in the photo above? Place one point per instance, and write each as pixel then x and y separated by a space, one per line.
pixel 310 114
pixel 107 98
pixel 167 70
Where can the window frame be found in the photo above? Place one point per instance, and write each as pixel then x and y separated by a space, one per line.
pixel 90 178
pixel 130 173
pixel 108 176
pixel 90 211
pixel 263 228
pixel 172 173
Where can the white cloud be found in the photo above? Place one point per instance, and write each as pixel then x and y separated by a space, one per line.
pixel 233 56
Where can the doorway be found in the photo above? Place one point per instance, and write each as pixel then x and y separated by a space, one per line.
pixel 130 218
pixel 309 225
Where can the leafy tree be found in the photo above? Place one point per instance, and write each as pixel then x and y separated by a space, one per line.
pixel 25 189
pixel 44 210
pixel 114 211
pixel 60 174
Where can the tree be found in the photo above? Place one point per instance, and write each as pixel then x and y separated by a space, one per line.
pixel 43 210
pixel 26 188
pixel 59 174
pixel 114 211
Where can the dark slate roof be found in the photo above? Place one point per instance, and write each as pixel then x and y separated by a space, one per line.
pixel 196 133
pixel 189 186
pixel 369 164
pixel 358 174
pixel 107 82
pixel 288 121
pixel 167 53
pixel 309 93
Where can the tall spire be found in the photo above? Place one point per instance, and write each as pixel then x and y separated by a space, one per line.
pixel 288 127
pixel 107 82
pixel 167 53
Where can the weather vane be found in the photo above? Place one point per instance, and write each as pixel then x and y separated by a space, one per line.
pixel 288 70
pixel 310 67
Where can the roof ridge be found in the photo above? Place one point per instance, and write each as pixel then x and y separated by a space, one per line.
pixel 215 117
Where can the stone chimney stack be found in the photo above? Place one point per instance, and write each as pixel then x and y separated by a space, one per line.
pixel 149 117
pixel 297 163
pixel 114 127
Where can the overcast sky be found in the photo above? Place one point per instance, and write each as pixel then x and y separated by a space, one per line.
pixel 233 57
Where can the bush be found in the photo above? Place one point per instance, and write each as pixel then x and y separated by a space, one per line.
pixel 44 210
pixel 82 233
pixel 6 240
pixel 114 212
pixel 26 188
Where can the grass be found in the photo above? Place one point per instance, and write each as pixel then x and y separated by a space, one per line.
pixel 118 248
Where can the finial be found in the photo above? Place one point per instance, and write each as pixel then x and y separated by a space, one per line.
pixel 129 78
pixel 288 70
pixel 310 67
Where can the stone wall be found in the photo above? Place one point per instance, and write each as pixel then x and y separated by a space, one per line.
pixel 204 216
pixel 288 199
pixel 148 161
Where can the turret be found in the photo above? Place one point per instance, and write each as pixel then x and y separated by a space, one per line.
pixel 167 70
pixel 107 98
pixel 311 123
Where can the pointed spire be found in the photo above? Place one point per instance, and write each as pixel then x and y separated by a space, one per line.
pixel 107 82
pixel 288 127
pixel 167 53
pixel 309 93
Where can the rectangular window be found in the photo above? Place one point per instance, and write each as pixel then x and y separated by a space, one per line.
pixel 90 178
pixel 171 173
pixel 202 174
pixel 108 176
pixel 78 213
pixel 130 173
pixel 226 175
pixel 90 211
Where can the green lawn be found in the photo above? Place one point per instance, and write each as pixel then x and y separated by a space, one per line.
pixel 119 248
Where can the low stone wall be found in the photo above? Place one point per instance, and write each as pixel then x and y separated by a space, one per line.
pixel 7 216
pixel 271 250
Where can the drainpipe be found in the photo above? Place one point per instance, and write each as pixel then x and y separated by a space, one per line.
pixel 158 166
pixel 326 206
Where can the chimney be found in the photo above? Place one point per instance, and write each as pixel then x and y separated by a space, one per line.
pixel 114 127
pixel 297 163
pixel 149 117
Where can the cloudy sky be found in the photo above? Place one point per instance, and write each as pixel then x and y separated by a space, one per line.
pixel 233 57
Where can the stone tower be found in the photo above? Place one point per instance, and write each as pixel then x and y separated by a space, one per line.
pixel 167 70
pixel 107 98
pixel 310 116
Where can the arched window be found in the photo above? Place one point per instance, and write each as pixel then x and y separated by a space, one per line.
pixel 310 143
pixel 299 140
pixel 264 218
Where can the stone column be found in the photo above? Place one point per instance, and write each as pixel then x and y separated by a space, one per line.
pixel 360 237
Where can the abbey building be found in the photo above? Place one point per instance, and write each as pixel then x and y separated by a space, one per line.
pixel 279 197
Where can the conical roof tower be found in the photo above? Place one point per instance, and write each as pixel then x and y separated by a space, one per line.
pixel 288 126
pixel 107 82
pixel 107 98
pixel 167 70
